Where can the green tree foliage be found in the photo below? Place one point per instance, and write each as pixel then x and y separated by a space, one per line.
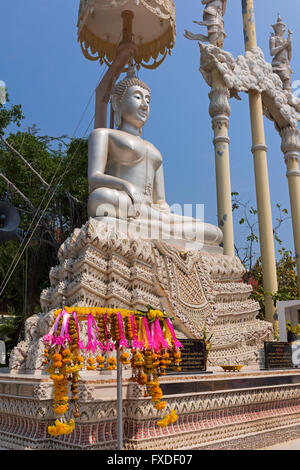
pixel 10 115
pixel 45 178
pixel 9 329
pixel 286 277
pixel 286 262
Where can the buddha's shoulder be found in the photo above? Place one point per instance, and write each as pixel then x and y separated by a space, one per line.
pixel 101 131
pixel 111 133
pixel 154 149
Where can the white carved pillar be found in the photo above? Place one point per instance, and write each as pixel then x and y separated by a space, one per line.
pixel 290 147
pixel 219 111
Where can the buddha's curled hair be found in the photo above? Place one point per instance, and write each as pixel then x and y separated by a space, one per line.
pixel 130 80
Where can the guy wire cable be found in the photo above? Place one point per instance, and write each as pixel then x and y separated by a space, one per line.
pixel 50 187
pixel 12 269
pixel 44 210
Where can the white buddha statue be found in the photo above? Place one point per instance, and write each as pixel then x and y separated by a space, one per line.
pixel 126 180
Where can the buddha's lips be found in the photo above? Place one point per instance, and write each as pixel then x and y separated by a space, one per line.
pixel 143 114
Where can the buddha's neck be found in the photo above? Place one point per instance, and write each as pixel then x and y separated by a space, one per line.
pixel 126 127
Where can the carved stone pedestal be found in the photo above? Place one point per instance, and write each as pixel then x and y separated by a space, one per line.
pixel 101 267
pixel 250 410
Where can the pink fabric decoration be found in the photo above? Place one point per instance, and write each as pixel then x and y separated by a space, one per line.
pixel 80 344
pixel 99 344
pixel 156 343
pixel 159 337
pixel 177 343
pixel 148 334
pixel 123 341
pixel 95 333
pixel 49 337
pixel 92 340
pixel 64 332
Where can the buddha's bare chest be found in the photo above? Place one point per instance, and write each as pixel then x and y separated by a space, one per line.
pixel 132 151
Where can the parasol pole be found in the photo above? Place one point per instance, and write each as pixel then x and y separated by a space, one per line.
pixel 259 150
pixel 126 51
pixel 119 403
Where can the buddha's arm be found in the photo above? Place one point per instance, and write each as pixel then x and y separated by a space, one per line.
pixel 98 153
pixel 159 196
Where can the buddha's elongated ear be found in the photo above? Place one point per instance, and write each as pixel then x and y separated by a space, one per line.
pixel 116 108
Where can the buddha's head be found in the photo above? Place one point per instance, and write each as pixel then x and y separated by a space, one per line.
pixel 131 101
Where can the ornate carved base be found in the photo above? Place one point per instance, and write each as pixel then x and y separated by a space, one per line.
pixel 260 410
pixel 101 267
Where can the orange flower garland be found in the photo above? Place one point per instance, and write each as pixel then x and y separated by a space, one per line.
pixel 146 340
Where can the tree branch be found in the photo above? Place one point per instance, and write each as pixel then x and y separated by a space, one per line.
pixel 44 183
pixel 33 209
pixel 28 202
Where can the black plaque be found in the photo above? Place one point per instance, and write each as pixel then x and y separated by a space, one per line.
pixel 278 355
pixel 193 357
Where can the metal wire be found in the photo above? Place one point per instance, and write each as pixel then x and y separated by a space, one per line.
pixel 13 266
pixel 4 284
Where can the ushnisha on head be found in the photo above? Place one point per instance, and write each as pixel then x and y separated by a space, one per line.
pixel 279 27
pixel 131 102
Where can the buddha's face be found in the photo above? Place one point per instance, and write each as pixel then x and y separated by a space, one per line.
pixel 135 106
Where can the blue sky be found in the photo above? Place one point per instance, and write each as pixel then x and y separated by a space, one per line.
pixel 45 70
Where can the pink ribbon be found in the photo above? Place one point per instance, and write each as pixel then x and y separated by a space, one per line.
pixel 160 340
pixel 151 343
pixel 64 332
pixel 123 341
pixel 55 326
pixel 48 338
pixel 92 340
pixel 155 338
pixel 51 338
pixel 80 344
pixel 177 343
pixel 99 343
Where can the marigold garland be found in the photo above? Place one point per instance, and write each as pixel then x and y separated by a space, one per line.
pixel 146 341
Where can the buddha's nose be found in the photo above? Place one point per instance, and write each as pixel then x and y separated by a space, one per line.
pixel 144 103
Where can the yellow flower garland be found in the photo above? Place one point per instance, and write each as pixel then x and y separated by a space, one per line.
pixel 65 362
pixel 61 428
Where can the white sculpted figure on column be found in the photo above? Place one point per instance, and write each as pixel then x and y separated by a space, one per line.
pixel 281 50
pixel 125 173
pixel 213 20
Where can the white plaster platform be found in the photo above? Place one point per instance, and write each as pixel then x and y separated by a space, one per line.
pixel 247 410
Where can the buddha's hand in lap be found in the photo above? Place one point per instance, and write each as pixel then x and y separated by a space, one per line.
pixel 161 206
pixel 132 192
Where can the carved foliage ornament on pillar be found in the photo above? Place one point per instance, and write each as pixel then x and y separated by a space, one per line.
pixel 290 145
pixel 219 108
